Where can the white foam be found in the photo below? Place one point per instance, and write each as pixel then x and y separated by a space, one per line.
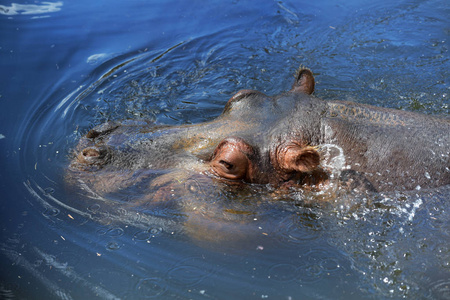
pixel 333 157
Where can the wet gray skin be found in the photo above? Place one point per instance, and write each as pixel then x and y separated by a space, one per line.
pixel 283 140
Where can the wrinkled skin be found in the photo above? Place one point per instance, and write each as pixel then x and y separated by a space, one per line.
pixel 286 141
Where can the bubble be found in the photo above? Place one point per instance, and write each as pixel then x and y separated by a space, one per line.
pixel 37 263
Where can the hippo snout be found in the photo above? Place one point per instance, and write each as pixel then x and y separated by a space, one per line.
pixel 93 156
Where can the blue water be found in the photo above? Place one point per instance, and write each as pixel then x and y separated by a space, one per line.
pixel 68 66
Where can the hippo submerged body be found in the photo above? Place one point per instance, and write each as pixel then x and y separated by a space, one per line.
pixel 292 139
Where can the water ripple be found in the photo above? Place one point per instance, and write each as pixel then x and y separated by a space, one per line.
pixel 440 289
pixel 190 272
pixel 150 288
pixel 283 272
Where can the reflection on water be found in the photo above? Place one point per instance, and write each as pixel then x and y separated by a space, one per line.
pixel 207 239
pixel 30 9
pixel 382 246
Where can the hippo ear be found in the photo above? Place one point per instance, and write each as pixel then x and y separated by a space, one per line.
pixel 304 81
pixel 292 157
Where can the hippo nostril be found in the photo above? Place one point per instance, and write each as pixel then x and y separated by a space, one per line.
pixel 226 164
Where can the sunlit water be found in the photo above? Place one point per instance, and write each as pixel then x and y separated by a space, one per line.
pixel 67 67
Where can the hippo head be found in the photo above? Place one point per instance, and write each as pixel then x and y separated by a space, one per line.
pixel 274 150
pixel 257 139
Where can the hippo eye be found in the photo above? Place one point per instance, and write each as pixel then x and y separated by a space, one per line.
pixel 231 159
pixel 95 155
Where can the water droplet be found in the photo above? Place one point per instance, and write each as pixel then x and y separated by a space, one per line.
pixel 48 191
pixel 113 246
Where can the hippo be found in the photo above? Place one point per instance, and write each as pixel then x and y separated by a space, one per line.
pixel 291 140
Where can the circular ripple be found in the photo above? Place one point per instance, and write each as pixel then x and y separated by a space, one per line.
pixel 51 212
pixel 37 263
pixel 440 289
pixel 190 272
pixel 283 272
pixel 298 229
pixel 122 211
pixel 155 231
pixel 142 235
pixel 145 235
pixel 317 262
pixel 112 232
pixel 150 288
pixel 112 246
pixel 329 264
pixel 193 186
pixel 94 208
pixel 187 275
pixel 310 273
pixel 134 217
pixel 115 232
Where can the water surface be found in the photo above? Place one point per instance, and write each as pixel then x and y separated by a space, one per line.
pixel 68 66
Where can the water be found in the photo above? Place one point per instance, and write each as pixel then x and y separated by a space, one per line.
pixel 68 66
